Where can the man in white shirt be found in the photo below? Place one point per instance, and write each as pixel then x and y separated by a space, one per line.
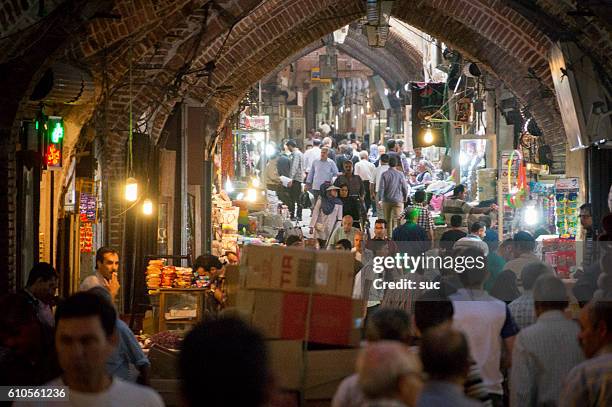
pixel 311 155
pixel 107 266
pixel 486 322
pixel 474 239
pixel 383 166
pixel 85 338
pixel 367 172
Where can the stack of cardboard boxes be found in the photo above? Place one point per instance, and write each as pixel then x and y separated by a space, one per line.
pixel 297 297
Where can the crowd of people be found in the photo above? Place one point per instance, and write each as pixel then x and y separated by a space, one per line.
pixel 498 333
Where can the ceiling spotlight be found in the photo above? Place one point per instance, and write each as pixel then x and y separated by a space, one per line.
pixel 340 35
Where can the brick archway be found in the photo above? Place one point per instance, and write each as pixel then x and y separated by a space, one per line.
pixel 248 39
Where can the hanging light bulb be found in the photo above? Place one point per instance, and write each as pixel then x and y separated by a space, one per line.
pixel 531 215
pixel 147 207
pixel 406 86
pixel 131 189
pixel 397 94
pixel 428 137
pixel 229 187
pixel 386 92
pixel 251 195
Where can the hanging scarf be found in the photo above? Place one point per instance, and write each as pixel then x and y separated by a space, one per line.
pixel 328 203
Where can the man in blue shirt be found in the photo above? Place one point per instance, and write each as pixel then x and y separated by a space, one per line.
pixel 323 170
pixel 392 193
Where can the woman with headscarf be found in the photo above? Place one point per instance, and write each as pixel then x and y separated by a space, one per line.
pixel 326 214
pixel 373 153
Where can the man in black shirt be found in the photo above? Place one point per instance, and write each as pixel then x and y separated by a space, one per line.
pixel 448 239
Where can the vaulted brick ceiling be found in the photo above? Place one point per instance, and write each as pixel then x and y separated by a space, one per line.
pixel 398 62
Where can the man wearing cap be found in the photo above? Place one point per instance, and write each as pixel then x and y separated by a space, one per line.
pixel 456 205
pixel 321 171
pixel 296 174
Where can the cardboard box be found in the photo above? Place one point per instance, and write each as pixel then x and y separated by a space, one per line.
pixel 299 270
pixel 283 315
pixel 317 374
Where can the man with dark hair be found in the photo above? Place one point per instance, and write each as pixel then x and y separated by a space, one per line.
pixel 85 338
pixel 433 309
pixel 456 205
pixel 233 354
pixel 107 267
pixel 384 324
pixel 446 359
pixel 448 238
pixel 210 266
pixel 392 193
pixel 474 238
pixel 522 309
pixel 343 244
pixel 424 220
pixel 588 235
pixel 523 245
pixel 40 291
pixel 380 230
pixel 296 174
pixel 374 188
pixel 26 347
pixel 538 368
pixel 486 321
pixel 590 383
pixel 294 241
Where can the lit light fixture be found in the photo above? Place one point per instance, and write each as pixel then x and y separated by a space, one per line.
pixel 229 186
pixel 386 92
pixel 147 207
pixel 362 111
pixel 251 195
pixel 428 137
pixel 255 181
pixel 354 117
pixel 531 215
pixel 240 196
pixel 406 86
pixel 270 150
pixel 378 14
pixel 340 34
pixel 131 189
pixel 397 94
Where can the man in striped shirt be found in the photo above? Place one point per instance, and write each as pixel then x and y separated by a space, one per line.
pixel 424 220
pixel 590 383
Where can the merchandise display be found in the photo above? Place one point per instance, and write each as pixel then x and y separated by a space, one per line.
pixel 566 207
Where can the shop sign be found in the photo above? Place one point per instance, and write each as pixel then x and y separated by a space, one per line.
pixel 566 184
pixel 87 207
pixel 259 123
pixel 52 129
